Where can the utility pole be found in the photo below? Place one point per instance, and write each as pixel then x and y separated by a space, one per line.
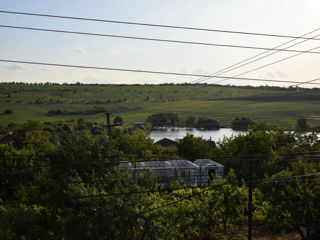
pixel 109 126
pixel 249 183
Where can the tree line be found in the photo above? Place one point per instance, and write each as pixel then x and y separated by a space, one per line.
pixel 61 181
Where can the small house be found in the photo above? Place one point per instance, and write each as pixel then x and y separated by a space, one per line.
pixel 7 138
pixel 166 142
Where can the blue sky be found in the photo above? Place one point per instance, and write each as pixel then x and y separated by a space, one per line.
pixel 288 17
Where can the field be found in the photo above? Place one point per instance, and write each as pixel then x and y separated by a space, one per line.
pixel 136 102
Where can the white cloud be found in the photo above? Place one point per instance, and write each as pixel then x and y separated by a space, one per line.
pixel 281 74
pixel 95 80
pixel 200 71
pixel 115 52
pixel 16 67
pixel 81 50
pixel 277 74
pixel 270 75
pixel 225 38
pixel 46 69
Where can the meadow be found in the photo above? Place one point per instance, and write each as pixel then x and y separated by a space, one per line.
pixel 281 106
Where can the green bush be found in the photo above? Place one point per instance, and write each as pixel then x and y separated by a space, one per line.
pixel 207 123
pixel 7 111
pixel 242 123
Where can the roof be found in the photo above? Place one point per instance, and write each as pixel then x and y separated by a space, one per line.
pixel 166 142
pixel 125 164
pixel 207 162
pixel 5 136
pixel 212 144
pixel 153 164
pixel 169 164
pixel 183 164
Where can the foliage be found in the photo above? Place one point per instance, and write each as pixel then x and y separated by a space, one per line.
pixel 60 181
pixel 242 123
pixel 207 123
pixel 302 124
pixel 191 147
pixel 118 120
pixel 163 119
pixel 203 100
pixel 290 205
pixel 7 111
pixel 294 205
pixel 190 121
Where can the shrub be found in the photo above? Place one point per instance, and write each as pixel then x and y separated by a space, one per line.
pixel 302 124
pixel 7 111
pixel 163 119
pixel 242 123
pixel 207 123
pixel 118 120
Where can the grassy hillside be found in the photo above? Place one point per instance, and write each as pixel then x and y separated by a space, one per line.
pixel 136 102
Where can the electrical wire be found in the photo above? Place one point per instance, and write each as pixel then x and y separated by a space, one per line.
pixel 154 25
pixel 182 199
pixel 153 39
pixel 218 185
pixel 267 180
pixel 245 62
pixel 313 80
pixel 144 71
pixel 307 157
pixel 269 64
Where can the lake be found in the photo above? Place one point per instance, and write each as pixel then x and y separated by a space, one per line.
pixel 179 133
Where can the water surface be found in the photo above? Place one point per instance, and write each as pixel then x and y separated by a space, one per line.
pixel 179 133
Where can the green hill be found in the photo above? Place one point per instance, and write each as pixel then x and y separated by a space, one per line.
pixel 282 106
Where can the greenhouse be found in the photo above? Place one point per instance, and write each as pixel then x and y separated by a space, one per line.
pixel 201 172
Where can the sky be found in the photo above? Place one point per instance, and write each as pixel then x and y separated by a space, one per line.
pixel 285 17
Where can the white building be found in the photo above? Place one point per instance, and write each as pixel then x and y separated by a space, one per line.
pixel 198 173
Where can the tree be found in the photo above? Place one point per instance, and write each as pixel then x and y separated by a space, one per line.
pixel 242 123
pixel 207 123
pixel 191 147
pixel 302 124
pixel 256 142
pixel 7 111
pixel 294 205
pixel 163 119
pixel 118 120
pixel 190 121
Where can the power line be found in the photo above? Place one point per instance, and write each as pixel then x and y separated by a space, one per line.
pixel 139 192
pixel 245 62
pixel 156 25
pixel 184 198
pixel 152 39
pixel 267 180
pixel 233 156
pixel 269 64
pixel 286 178
pixel 145 71
pixel 218 185
pixel 124 193
pixel 313 80
pixel 307 156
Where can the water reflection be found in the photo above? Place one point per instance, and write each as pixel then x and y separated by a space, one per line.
pixel 178 133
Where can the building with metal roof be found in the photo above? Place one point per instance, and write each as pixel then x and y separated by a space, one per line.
pixel 201 172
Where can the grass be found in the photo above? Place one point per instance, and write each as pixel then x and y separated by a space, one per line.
pixel 136 102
